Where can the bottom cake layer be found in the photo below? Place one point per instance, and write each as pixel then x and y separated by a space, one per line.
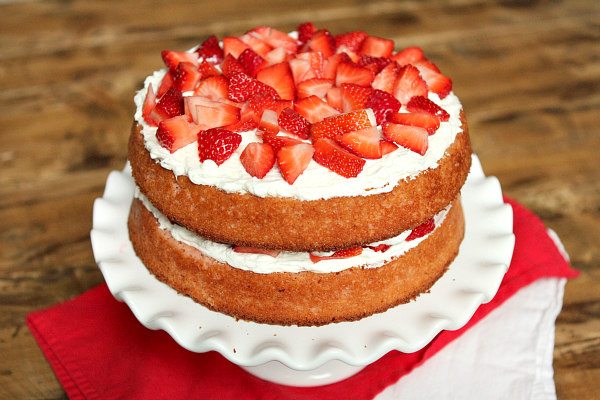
pixel 303 298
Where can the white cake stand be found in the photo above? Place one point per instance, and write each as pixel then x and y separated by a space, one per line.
pixel 311 356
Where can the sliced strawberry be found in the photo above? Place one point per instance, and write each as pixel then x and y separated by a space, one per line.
pixel 293 160
pixel 242 126
pixel 423 104
pixel 242 87
pixel 383 104
pixel 354 97
pixel 213 88
pixel 314 109
pixel 342 123
pixel 409 84
pixel 352 73
pixel 217 144
pixel 173 58
pixel 305 32
pixel 330 68
pixel 322 41
pixel 251 61
pixel 210 49
pixel 386 79
pixel 351 41
pixel 292 122
pixel 364 142
pixel 436 82
pixel 421 230
pixel 301 70
pixel 186 76
pixel 346 253
pixel 409 55
pixel 375 64
pixel 314 87
pixel 170 105
pixel 316 63
pixel 177 132
pixel 377 47
pixel 277 141
pixel 233 46
pixel 334 98
pixel 426 64
pixel 211 114
pixel 387 147
pixel 276 56
pixel 336 159
pixel 279 77
pixel 258 159
pixel 424 120
pixel 268 122
pixel 258 45
pixel 382 248
pixel 255 250
pixel 231 66
pixel 275 38
pixel 149 104
pixel 262 101
pixel 411 137
pixel 165 84
pixel 207 69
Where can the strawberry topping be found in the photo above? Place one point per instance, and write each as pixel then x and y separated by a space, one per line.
pixel 217 144
pixel 292 122
pixel 424 229
pixel 411 137
pixel 383 104
pixel 258 159
pixel 423 104
pixel 346 253
pixel 338 160
pixel 210 49
pixel 175 133
pixel 293 160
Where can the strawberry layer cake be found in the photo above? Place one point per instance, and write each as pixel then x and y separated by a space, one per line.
pixel 299 178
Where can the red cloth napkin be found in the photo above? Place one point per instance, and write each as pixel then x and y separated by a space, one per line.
pixel 99 350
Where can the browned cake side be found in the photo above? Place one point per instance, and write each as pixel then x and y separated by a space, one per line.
pixel 305 298
pixel 291 224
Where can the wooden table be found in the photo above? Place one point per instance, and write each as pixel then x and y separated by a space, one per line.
pixel 528 75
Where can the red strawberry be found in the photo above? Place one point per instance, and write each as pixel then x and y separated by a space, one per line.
pixel 377 47
pixel 275 38
pixel 292 122
pixel 382 248
pixel 177 132
pixel 207 69
pixel 424 120
pixel 386 79
pixel 165 84
pixel 210 48
pixel 231 66
pixel 375 64
pixel 251 61
pixel 423 104
pixel 387 147
pixel 338 160
pixel 421 230
pixel 305 32
pixel 364 142
pixel 233 46
pixel 211 114
pixel 149 104
pixel 409 84
pixel 242 87
pixel 352 73
pixel 411 137
pixel 217 144
pixel 254 250
pixel 258 159
pixel 408 56
pixel 262 101
pixel 213 88
pixel 354 97
pixel 346 253
pixel 383 104
pixel 277 141
pixel 316 63
pixel 275 56
pixel 314 109
pixel 436 82
pixel 426 64
pixel 173 58
pixel 322 41
pixel 293 160
pixel 342 123
pixel 242 126
pixel 268 122
pixel 256 44
pixel 351 41
pixel 330 67
pixel 334 98
pixel 185 76
pixel 315 86
pixel 170 105
pixel 279 77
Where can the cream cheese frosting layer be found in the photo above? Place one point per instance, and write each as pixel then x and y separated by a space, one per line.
pixel 288 261
pixel 317 182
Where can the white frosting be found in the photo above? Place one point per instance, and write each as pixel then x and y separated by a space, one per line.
pixel 288 261
pixel 317 182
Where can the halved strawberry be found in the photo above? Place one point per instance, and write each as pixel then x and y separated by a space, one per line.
pixel 230 66
pixel 213 88
pixel 426 64
pixel 186 76
pixel 315 86
pixel 173 58
pixel 382 248
pixel 408 55
pixel 217 144
pixel 346 253
pixel 386 79
pixel 411 137
pixel 258 159
pixel 255 250
pixel 292 122
pixel 409 84
pixel 316 63
pixel 305 32
pixel 177 132
pixel 342 123
pixel 352 73
pixel 336 159
pixel 375 64
pixel 207 69
pixel 350 41
pixel 421 230
pixel 149 104
pixel 322 41
pixel 293 160
pixel 233 46
pixel 424 120
pixel 423 104
pixel 277 141
pixel 279 77
pixel 210 49
pixel 258 45
pixel 242 87
pixel 170 105
pixel 364 142
pixel 251 61
pixel 314 109
pixel 331 64
pixel 377 47
pixel 165 84
pixel 211 114
pixel 276 56
pixel 383 104
pixel 354 97
pixel 334 98
pixel 268 122
pixel 275 38
pixel 262 101
pixel 387 147
pixel 436 81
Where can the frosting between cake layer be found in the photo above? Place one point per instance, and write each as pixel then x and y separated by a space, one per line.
pixel 317 182
pixel 287 261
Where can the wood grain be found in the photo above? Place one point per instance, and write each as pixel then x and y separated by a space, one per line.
pixel 528 74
